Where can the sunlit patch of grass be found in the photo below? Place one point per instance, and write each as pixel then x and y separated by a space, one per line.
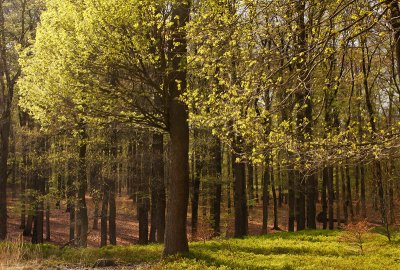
pixel 301 250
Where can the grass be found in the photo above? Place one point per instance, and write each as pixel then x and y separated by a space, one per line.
pixel 301 250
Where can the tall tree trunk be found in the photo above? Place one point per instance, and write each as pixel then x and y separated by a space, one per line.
pixel 104 213
pixel 143 192
pixel 217 189
pixel 4 141
pixel 250 184
pixel 70 192
pixel 338 200
pixel 112 228
pixel 331 198
pixel 47 210
pixel 291 199
pixel 240 200
pixel 349 198
pixel 325 181
pixel 198 166
pixel 344 197
pixel 275 199
pixel 178 187
pixel 158 190
pixel 82 216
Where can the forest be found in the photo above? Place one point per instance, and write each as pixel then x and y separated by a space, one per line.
pixel 200 134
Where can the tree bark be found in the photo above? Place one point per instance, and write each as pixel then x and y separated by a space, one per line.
pixel 240 200
pixel 178 187
pixel 216 200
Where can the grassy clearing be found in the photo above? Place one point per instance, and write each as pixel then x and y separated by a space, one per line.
pixel 303 250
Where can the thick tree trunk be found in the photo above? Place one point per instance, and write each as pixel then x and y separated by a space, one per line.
pixel 178 187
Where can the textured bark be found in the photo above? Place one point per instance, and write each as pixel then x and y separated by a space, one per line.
pixel 178 187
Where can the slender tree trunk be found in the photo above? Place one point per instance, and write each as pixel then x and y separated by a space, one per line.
pixel 344 197
pixel 112 228
pixel 104 213
pixel 82 216
pixel 47 211
pixel 240 200
pixel 196 187
pixel 275 199
pixel 291 199
pixel 71 202
pixel 157 228
pixel 338 200
pixel 325 181
pixel 331 198
pixel 301 201
pixel 250 184
pixel 362 187
pixel 4 141
pixel 216 200
pixel 349 195
pixel 357 191
pixel 228 188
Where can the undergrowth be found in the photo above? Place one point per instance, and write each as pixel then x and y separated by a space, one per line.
pixel 301 250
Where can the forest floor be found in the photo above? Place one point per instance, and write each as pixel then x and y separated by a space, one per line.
pixel 127 224
pixel 318 249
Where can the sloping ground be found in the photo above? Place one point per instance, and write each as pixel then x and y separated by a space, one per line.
pixel 302 250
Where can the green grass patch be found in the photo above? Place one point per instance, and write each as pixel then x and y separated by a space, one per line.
pixel 302 250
